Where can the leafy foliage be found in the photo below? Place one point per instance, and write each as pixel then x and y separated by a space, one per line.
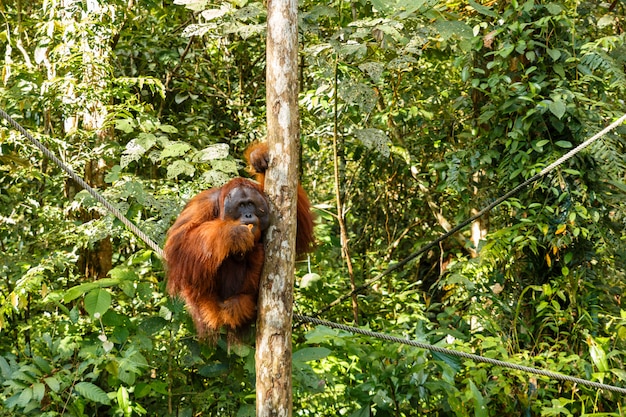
pixel 434 110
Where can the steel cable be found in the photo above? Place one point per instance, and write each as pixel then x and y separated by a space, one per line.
pixel 470 356
pixel 477 358
pixel 481 213
pixel 83 184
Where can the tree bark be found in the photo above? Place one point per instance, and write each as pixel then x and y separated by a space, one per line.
pixel 94 47
pixel 273 342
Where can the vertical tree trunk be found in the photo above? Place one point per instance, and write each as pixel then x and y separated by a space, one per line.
pixel 273 353
pixel 96 261
pixel 95 53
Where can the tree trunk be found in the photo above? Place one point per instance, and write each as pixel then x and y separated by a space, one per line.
pixel 273 353
pixel 95 261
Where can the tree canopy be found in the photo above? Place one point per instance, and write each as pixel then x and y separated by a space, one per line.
pixel 414 115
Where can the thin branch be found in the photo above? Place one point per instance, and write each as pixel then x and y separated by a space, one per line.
pixel 345 247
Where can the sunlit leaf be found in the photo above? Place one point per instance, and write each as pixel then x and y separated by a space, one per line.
pixel 598 356
pixel 97 301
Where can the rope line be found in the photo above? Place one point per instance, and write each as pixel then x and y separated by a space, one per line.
pixel 476 358
pixel 95 194
pixel 485 210
pixel 470 356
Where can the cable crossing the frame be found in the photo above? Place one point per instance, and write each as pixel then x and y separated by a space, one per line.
pixel 357 330
pixel 481 213
pixel 451 352
pixel 120 216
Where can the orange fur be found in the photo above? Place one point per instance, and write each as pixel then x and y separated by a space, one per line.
pixel 257 157
pixel 215 262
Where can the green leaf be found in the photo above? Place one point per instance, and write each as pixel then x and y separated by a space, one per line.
pixel 142 389
pixel 247 31
pixel 81 289
pixel 175 149
pixel 198 30
pixel 558 68
pixel 506 50
pixel 555 54
pixel 92 392
pixel 53 383
pixel 25 397
pixel 482 9
pixel 452 361
pixel 361 412
pixel 570 171
pixel 620 185
pixel 211 14
pixel 563 143
pixel 553 8
pixel 113 175
pixel 128 287
pixel 557 108
pixel 355 50
pixel 165 313
pixel 309 354
pixel 401 152
pixel 359 94
pixel 449 29
pixel 217 151
pixel 5 368
pixel 144 140
pixel 465 74
pixel 242 350
pixel 132 362
pixel 39 390
pixel 480 409
pixel 215 178
pixel 568 257
pixel 97 301
pixel 123 401
pixel 486 116
pixel 193 5
pixel 606 20
pixel 177 168
pixel 373 69
pixel 383 5
pixel 620 373
pixel 598 356
pixel 123 273
pixel 374 139
pixel 225 165
pixel 21 375
pixel 321 334
pixel 42 364
pixel 125 125
pixel 167 129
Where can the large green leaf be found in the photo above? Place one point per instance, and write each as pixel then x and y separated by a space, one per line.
pixel 557 107
pixel 81 289
pixel 97 301
pixel 92 392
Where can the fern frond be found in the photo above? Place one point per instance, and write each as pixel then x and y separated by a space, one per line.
pixel 606 55
pixel 610 151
